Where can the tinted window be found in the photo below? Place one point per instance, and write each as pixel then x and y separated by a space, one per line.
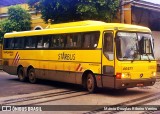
pixel 8 43
pixel 30 42
pixel 77 40
pixel 108 46
pixel 46 41
pixel 57 41
pixel 18 43
pixel 90 40
pixel 39 42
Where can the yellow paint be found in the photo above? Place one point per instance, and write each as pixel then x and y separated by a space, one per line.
pixel 88 59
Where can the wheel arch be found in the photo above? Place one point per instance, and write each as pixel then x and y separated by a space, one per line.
pixel 19 68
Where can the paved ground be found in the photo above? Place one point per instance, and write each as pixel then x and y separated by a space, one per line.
pixel 61 96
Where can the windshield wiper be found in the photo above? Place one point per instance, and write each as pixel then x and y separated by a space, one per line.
pixel 134 55
pixel 133 59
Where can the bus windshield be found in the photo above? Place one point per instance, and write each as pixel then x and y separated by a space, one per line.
pixel 134 46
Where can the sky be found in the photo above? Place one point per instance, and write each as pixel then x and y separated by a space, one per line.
pixel 153 1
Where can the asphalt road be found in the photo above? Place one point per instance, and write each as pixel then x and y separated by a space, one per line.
pixel 10 85
pixel 66 98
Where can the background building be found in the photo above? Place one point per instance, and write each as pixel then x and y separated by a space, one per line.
pixel 143 13
pixel 37 22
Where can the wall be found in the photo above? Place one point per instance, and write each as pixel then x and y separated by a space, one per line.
pixel 36 18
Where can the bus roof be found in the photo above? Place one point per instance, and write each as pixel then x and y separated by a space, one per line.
pixel 78 23
pixel 80 26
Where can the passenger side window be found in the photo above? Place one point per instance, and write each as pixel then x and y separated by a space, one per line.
pixel 61 41
pixel 9 43
pixel 91 40
pixel 30 42
pixel 108 46
pixel 39 42
pixel 69 42
pixel 46 41
pixel 57 41
pixel 73 40
pixel 77 40
pixel 54 42
pixel 19 43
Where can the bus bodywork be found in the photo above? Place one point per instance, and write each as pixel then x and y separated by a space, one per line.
pixel 91 53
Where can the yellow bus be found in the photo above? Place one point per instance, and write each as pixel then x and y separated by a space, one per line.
pixel 92 53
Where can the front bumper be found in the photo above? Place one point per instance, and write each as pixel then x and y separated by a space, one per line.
pixel 129 83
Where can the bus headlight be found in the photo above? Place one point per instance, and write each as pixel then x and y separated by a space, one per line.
pixel 123 75
pixel 126 75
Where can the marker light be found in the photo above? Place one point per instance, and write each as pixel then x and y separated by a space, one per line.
pixel 118 75
pixel 126 75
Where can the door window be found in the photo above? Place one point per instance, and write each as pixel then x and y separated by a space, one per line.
pixel 108 46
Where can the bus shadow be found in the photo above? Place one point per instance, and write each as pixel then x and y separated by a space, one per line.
pixel 120 93
pixel 54 84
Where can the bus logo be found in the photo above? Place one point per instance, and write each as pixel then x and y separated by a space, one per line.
pixel 16 59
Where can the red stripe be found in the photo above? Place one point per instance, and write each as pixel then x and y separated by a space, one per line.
pixel 14 58
pixel 15 61
pixel 78 67
pixel 18 58
pixel 81 69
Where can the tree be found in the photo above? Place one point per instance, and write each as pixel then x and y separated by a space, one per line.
pixel 18 20
pixel 75 10
pixel 104 10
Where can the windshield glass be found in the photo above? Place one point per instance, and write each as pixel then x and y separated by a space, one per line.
pixel 134 46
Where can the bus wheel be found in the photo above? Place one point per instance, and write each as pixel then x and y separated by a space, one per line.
pixel 21 74
pixel 91 83
pixel 32 76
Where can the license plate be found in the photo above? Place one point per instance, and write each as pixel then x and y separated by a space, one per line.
pixel 140 85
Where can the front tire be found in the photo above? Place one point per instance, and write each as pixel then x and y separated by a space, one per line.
pixel 91 83
pixel 21 75
pixel 32 76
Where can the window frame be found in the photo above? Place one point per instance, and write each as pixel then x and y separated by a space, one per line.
pixel 111 32
pixel 64 37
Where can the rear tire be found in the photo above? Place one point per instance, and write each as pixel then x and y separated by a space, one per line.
pixel 21 75
pixel 32 76
pixel 91 84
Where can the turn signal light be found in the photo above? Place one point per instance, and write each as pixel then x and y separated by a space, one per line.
pixel 118 75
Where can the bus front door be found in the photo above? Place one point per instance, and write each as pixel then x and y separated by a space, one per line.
pixel 108 60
